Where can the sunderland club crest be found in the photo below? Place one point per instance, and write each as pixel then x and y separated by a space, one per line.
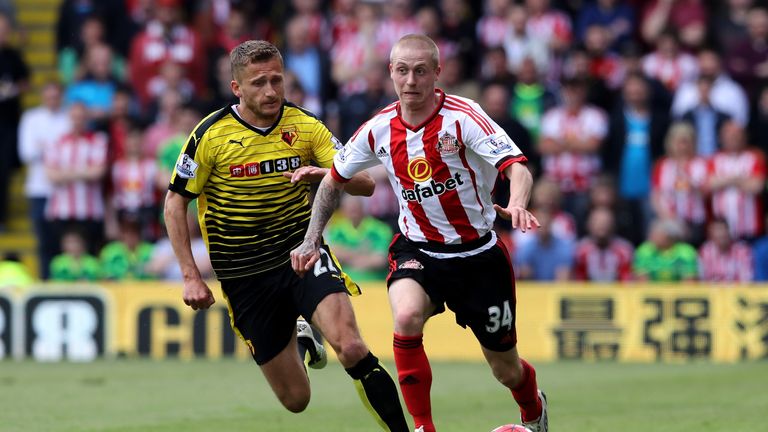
pixel 448 144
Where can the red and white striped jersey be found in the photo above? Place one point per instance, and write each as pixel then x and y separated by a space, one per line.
pixel 573 172
pixel 550 25
pixel 391 30
pixel 134 183
pixel 679 187
pixel 80 199
pixel 491 31
pixel 671 72
pixel 742 211
pixel 442 171
pixel 733 265
pixel 613 263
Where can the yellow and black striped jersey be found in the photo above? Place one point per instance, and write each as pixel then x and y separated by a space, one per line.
pixel 251 215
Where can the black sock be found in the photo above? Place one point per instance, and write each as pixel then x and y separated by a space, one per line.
pixel 378 391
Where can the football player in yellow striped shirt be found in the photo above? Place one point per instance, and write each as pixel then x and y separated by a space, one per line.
pixel 248 165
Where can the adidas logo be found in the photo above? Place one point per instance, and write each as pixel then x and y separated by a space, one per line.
pixel 409 380
pixel 382 153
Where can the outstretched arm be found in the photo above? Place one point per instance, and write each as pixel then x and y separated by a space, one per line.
pixel 360 184
pixel 520 182
pixel 326 201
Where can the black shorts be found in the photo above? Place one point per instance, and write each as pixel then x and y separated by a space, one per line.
pixel 263 307
pixel 479 289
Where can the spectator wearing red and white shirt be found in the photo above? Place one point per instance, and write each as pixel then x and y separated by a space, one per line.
pixel 163 39
pixel 548 24
pixel 668 63
pixel 723 260
pixel 678 182
pixel 492 26
pixel 571 135
pixel 76 168
pixel 737 178
pixel 602 256
pixel 689 17
pixel 397 22
pixel 546 197
pixel 133 181
pixel 354 52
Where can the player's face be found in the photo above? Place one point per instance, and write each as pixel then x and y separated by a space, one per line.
pixel 260 88
pixel 413 75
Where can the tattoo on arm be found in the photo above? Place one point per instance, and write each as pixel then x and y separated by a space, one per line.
pixel 326 201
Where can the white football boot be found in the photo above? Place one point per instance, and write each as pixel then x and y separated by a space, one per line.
pixel 540 424
pixel 315 357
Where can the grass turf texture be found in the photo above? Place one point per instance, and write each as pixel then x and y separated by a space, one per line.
pixel 139 395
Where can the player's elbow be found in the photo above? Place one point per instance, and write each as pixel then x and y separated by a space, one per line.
pixel 362 184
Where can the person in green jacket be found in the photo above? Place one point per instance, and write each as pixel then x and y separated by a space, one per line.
pixel 127 257
pixel 665 257
pixel 74 263
pixel 361 242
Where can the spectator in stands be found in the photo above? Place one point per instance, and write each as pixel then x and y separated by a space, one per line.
pixel 219 88
pixel 689 17
pixel 13 274
pixel 397 21
pixel 128 257
pixel 736 178
pixel 318 28
pixel 729 26
pixel 39 131
pixel 169 151
pixel 494 67
pixel 124 111
pixel 549 24
pixel 665 257
pixel 635 139
pixel 308 62
pixel 453 80
pixel 760 257
pixel 679 182
pixel 165 38
pixel 359 241
pixel 76 169
pixel 758 123
pixel 458 26
pixel 234 31
pixel 133 183
pixel 356 108
pixel 706 119
pixel 628 222
pixel 571 135
pixel 547 257
pixel 492 25
pixel 748 61
pixel 14 77
pixel 74 263
pixel 616 16
pixel 602 256
pixel 632 63
pixel 531 98
pixel 96 90
pixel 721 259
pixel 726 95
pixel 520 45
pixel 577 66
pixel 355 51
pixel 669 63
pixel 73 15
pixel 171 77
pixel 72 59
pixel 428 19
pixel 603 63
pixel 166 122
pixel 163 263
pixel 495 101
pixel 546 197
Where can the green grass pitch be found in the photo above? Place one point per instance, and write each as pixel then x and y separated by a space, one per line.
pixel 143 395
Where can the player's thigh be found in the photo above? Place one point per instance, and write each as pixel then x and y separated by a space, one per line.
pixel 411 306
pixel 262 312
pixel 335 318
pixel 482 294
pixel 286 375
pixel 413 287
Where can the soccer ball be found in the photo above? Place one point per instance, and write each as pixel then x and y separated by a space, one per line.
pixel 511 428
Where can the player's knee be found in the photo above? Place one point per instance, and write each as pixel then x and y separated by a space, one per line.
pixel 351 351
pixel 409 321
pixel 508 375
pixel 294 401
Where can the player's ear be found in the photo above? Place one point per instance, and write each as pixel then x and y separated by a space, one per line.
pixel 235 88
pixel 437 71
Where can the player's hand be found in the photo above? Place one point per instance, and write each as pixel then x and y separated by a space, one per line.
pixel 311 174
pixel 304 257
pixel 197 295
pixel 519 216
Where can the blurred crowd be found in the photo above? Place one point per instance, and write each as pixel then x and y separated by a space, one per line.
pixel 645 124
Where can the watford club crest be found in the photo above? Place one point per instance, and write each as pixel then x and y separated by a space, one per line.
pixel 289 135
pixel 447 144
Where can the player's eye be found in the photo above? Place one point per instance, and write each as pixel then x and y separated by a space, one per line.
pixel 402 71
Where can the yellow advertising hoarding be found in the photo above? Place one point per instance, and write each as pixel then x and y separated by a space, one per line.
pixel 631 322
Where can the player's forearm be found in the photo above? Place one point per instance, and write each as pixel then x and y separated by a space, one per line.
pixel 326 201
pixel 176 224
pixel 360 184
pixel 520 183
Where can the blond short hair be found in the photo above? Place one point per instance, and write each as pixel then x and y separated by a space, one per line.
pixel 679 130
pixel 426 41
pixel 252 51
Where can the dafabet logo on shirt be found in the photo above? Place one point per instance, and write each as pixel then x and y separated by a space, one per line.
pixel 419 169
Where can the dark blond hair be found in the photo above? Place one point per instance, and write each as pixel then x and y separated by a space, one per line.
pixel 425 41
pixel 252 51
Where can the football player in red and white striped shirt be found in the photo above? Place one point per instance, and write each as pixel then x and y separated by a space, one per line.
pixel 723 260
pixel 602 256
pixel 736 178
pixel 442 154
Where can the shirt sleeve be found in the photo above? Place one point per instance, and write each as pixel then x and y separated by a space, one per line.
pixel 355 156
pixel 193 167
pixel 488 140
pixel 324 146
